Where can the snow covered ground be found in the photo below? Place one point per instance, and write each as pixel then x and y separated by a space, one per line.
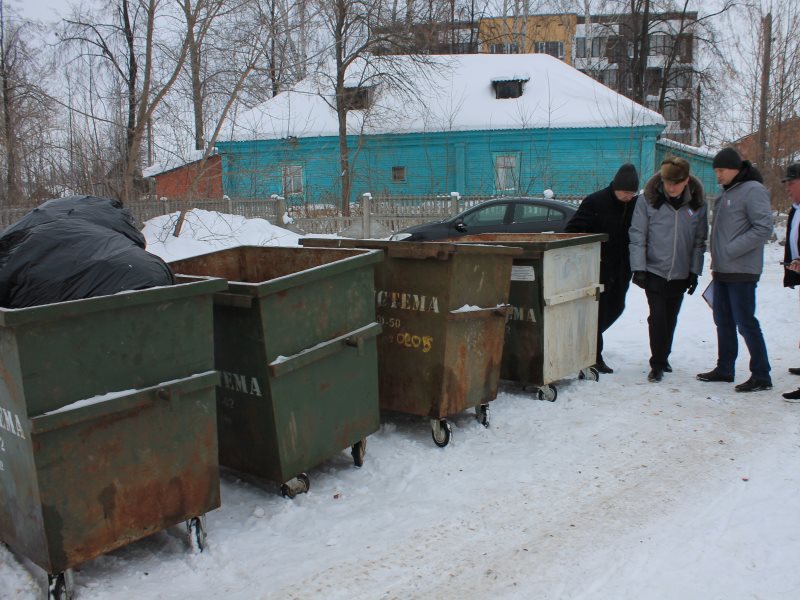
pixel 621 489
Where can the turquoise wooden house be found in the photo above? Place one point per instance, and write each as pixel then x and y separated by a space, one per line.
pixel 700 159
pixel 479 124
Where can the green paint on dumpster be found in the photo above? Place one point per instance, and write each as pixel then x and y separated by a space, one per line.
pixel 107 421
pixel 295 344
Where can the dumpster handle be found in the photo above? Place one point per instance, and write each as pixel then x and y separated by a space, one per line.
pixel 592 290
pixel 501 310
pixel 287 364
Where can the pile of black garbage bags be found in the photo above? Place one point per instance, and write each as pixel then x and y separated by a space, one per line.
pixel 73 248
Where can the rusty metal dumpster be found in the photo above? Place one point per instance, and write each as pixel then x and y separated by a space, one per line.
pixel 107 423
pixel 295 344
pixel 443 308
pixel 552 330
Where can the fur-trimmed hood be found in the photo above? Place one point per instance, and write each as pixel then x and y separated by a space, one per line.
pixel 655 196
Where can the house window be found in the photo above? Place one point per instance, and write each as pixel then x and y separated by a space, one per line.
pixel 503 49
pixel 398 174
pixel 598 47
pixel 506 172
pixel 682 79
pixel 508 89
pixel 661 44
pixel 608 78
pixel 292 180
pixel 580 47
pixel 552 48
pixel 357 98
pixel 653 79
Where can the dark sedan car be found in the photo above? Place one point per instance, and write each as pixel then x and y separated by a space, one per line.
pixel 504 215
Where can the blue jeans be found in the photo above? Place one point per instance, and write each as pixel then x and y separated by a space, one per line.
pixel 735 308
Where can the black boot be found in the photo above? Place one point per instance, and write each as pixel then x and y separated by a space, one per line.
pixel 602 367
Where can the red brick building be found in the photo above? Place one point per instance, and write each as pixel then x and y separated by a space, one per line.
pixel 176 183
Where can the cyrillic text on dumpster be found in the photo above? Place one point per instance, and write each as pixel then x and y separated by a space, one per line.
pixel 406 301
pixel 246 384
pixel 408 340
pixel 522 313
pixel 11 423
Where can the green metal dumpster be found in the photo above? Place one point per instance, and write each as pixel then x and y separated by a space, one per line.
pixel 295 343
pixel 107 423
pixel 552 330
pixel 443 308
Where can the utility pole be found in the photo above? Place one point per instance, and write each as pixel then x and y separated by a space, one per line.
pixel 762 116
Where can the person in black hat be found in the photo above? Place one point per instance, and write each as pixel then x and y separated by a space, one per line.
pixel 609 211
pixel 741 226
pixel 791 253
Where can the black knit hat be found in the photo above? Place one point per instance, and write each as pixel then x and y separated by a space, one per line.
pixel 626 179
pixel 728 158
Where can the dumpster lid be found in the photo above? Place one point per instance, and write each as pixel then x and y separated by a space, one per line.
pixel 532 241
pixel 129 298
pixel 413 250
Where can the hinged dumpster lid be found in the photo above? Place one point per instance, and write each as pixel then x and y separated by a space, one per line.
pixel 413 250
pixel 537 242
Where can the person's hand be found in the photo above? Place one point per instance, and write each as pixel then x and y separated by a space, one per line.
pixel 692 283
pixel 794 265
pixel 640 278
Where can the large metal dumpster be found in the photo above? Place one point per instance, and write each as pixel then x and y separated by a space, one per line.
pixel 552 330
pixel 295 342
pixel 107 423
pixel 443 308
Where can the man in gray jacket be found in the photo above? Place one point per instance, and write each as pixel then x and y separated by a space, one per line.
pixel 742 224
pixel 668 241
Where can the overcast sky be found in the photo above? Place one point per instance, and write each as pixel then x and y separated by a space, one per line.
pixel 42 10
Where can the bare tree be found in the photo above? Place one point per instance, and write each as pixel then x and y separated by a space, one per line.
pixel 26 110
pixel 778 142
pixel 144 58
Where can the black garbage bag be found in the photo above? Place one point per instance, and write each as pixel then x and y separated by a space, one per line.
pixel 73 248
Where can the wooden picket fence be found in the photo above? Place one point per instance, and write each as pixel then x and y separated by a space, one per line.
pixel 389 213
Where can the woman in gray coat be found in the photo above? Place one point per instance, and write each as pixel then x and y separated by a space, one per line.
pixel 668 240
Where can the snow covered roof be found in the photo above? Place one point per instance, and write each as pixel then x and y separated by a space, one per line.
pixel 175 162
pixel 447 93
pixel 697 150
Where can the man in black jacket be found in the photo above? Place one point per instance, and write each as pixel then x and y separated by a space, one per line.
pixel 791 253
pixel 610 211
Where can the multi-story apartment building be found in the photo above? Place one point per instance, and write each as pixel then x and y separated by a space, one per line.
pixel 657 69
pixel 540 34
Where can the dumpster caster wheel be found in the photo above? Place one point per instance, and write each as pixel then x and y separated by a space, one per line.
pixel 548 392
pixel 441 432
pixel 196 528
pixel 482 414
pixel 358 451
pixel 61 586
pixel 297 485
pixel 589 373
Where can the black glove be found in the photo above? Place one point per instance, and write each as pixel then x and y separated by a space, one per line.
pixel 692 283
pixel 640 278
